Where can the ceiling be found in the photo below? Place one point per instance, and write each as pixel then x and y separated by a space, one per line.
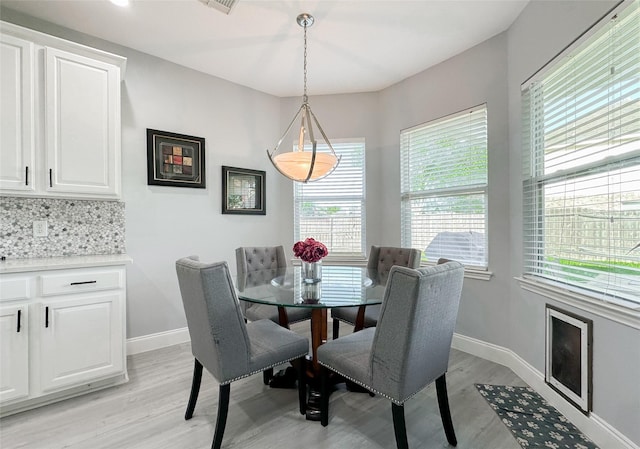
pixel 354 45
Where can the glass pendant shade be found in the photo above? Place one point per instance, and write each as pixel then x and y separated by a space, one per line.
pixel 306 162
pixel 297 165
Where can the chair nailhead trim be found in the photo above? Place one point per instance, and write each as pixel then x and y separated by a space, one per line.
pixel 262 369
pixel 373 390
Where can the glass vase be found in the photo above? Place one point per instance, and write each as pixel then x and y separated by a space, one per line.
pixel 311 272
pixel 311 293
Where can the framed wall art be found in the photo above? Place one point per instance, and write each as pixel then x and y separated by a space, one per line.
pixel 243 191
pixel 568 356
pixel 175 160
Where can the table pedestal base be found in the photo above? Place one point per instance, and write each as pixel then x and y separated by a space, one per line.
pixel 313 405
pixel 287 378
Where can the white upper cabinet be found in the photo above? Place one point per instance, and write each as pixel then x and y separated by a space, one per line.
pixel 61 120
pixel 82 120
pixel 16 114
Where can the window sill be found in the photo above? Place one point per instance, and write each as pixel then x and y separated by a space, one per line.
pixel 623 314
pixel 482 275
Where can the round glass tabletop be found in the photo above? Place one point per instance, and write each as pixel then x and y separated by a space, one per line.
pixel 340 286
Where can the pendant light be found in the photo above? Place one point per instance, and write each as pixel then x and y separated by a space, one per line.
pixel 298 164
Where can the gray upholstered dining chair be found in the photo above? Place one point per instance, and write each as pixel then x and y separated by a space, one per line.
pixel 381 259
pixel 251 263
pixel 408 349
pixel 223 343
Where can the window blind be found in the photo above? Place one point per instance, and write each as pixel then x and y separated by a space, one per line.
pixel 581 132
pixel 332 210
pixel 444 187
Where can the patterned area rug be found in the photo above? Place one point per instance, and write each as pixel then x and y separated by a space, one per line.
pixel 533 422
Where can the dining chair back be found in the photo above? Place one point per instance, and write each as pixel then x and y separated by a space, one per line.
pixel 381 259
pixel 257 265
pixel 255 258
pixel 413 336
pixel 252 263
pixel 408 349
pixel 223 343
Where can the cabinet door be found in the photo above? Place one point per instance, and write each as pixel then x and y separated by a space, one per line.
pixel 81 339
pixel 14 353
pixel 16 114
pixel 82 122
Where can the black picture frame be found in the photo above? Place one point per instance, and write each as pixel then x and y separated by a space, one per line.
pixel 569 357
pixel 175 160
pixel 243 191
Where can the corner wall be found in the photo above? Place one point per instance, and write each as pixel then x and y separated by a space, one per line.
pixel 541 31
pixel 499 313
pixel 477 76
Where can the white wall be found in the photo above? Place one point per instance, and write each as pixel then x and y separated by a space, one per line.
pixel 542 31
pixel 474 77
pixel 500 311
pixel 166 223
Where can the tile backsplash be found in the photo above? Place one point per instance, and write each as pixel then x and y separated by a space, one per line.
pixel 75 227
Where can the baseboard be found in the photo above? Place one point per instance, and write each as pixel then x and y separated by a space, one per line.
pixel 601 432
pixel 150 342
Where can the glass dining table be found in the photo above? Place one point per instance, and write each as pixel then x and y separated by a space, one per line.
pixel 340 286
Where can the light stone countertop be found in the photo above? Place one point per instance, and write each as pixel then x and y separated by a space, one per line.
pixel 61 263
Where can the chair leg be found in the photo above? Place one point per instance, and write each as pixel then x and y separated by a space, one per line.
pixel 302 384
pixel 336 328
pixel 445 413
pixel 267 375
pixel 221 421
pixel 324 396
pixel 399 426
pixel 195 389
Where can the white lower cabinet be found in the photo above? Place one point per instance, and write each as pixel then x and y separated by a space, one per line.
pixel 65 338
pixel 80 341
pixel 14 353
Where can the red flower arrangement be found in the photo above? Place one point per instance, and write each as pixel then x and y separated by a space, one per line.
pixel 310 250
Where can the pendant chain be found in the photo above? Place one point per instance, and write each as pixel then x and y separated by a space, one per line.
pixel 305 62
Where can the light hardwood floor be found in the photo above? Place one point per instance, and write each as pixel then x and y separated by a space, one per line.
pixel 148 413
